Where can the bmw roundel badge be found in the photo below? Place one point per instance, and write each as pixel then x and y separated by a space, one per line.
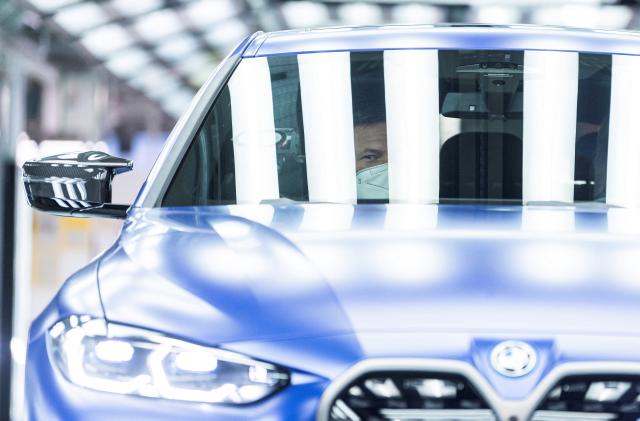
pixel 513 358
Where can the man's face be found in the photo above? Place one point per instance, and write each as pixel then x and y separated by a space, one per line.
pixel 371 145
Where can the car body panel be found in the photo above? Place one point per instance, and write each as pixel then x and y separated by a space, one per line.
pixel 509 276
pixel 324 255
pixel 471 283
pixel 79 295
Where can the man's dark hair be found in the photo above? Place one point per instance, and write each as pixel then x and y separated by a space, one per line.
pixel 367 88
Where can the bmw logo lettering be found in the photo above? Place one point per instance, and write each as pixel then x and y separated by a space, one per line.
pixel 513 358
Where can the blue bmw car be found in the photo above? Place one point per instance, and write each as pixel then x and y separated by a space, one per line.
pixel 383 223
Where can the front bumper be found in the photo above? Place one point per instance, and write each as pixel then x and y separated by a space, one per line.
pixel 50 396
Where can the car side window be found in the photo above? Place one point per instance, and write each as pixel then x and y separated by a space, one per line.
pixel 203 176
pixel 207 174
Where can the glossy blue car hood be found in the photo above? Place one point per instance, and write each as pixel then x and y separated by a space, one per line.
pixel 247 273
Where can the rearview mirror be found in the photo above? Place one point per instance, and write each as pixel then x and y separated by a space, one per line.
pixel 75 184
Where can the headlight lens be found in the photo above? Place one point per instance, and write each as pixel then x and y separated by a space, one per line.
pixel 119 359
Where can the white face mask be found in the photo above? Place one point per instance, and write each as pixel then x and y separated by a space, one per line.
pixel 373 182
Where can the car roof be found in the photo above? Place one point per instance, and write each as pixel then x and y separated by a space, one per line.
pixel 445 37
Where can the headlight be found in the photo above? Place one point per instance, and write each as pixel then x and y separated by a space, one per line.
pixel 119 359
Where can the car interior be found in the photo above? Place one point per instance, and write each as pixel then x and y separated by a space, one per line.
pixel 484 90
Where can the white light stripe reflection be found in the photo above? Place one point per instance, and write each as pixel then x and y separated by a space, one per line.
pixel 623 267
pixel 551 263
pixel 413 125
pixel 60 203
pixel 411 217
pixel 58 193
pixel 262 214
pixel 546 220
pixel 623 170
pixel 549 125
pixel 623 221
pixel 323 217
pixel 416 262
pixel 69 185
pixel 253 132
pixel 325 86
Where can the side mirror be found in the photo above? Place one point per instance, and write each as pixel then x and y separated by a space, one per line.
pixel 75 184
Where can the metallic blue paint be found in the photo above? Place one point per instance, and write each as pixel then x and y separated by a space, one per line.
pixel 317 288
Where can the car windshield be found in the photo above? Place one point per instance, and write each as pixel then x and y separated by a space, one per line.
pixel 418 126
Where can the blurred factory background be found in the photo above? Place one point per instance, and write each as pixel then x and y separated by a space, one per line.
pixel 115 75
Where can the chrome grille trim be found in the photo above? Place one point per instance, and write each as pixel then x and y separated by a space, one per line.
pixel 592 397
pixel 439 414
pixel 411 395
pixel 342 412
pixel 504 409
pixel 570 416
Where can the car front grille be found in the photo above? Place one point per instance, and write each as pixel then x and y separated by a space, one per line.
pixel 596 398
pixel 410 395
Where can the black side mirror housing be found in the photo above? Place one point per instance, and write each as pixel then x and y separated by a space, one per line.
pixel 75 184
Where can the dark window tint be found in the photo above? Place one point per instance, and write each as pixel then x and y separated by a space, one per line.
pixel 592 127
pixel 481 93
pixel 206 174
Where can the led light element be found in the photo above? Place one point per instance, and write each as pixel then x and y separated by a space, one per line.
pixel 196 361
pixel 382 388
pixel 129 62
pixel 133 8
pixel 301 14
pixel 80 17
pixel 417 13
pixel 226 33
pixel 355 391
pixel 177 48
pixel 158 24
pixel 434 388
pixel 360 13
pixel 119 359
pixel 106 40
pixel 205 13
pixel 606 391
pixel 49 6
pixel 114 351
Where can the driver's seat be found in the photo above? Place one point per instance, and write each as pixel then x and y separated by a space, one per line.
pixel 481 165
